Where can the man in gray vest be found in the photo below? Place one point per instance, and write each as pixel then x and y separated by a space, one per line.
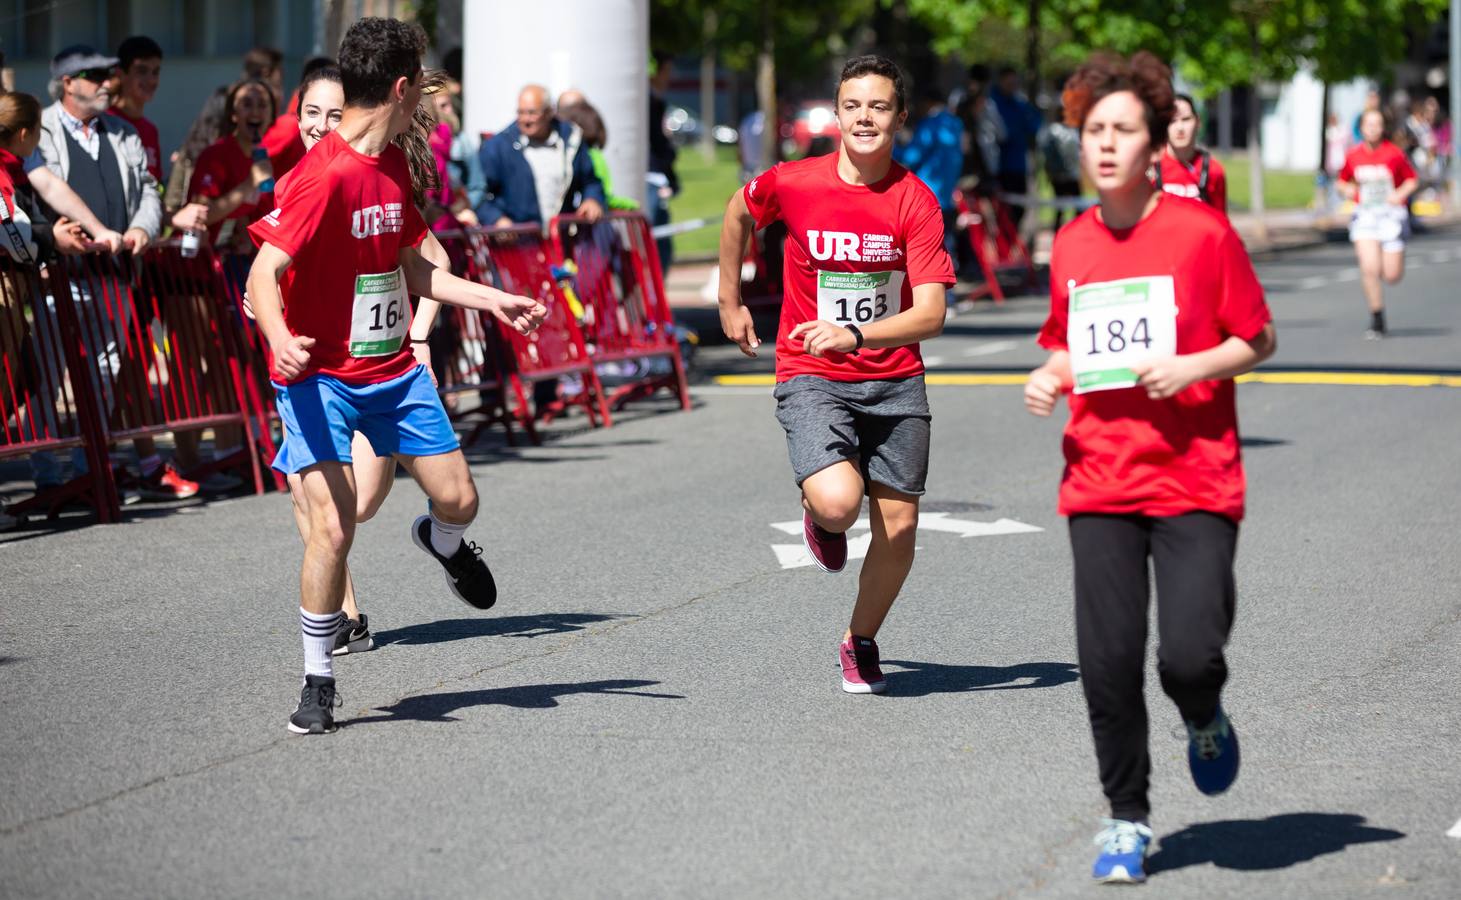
pixel 101 158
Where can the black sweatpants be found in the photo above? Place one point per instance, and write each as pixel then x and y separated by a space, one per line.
pixel 1192 556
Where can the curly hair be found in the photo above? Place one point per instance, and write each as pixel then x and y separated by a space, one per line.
pixel 1105 74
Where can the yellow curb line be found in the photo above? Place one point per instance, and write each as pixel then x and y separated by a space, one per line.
pixel 1352 379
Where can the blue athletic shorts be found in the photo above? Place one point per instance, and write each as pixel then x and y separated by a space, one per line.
pixel 322 414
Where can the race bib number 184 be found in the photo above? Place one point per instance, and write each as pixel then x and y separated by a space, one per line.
pixel 1114 324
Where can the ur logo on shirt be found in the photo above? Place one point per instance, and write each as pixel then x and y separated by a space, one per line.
pixel 375 220
pixel 838 245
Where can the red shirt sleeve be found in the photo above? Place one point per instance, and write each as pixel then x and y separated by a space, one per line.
pixel 761 199
pixel 413 227
pixel 1217 188
pixel 1400 168
pixel 928 262
pixel 291 226
pixel 1242 310
pixel 1053 333
pixel 209 176
pixel 1346 172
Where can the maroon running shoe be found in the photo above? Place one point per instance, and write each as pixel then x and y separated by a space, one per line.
pixel 861 673
pixel 828 550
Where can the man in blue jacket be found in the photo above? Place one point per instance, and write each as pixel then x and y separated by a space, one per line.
pixel 538 168
pixel 936 155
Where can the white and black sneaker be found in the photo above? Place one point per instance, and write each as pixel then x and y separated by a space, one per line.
pixel 317 702
pixel 466 573
pixel 354 636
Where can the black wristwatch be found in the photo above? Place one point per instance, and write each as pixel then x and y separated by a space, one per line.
pixel 857 334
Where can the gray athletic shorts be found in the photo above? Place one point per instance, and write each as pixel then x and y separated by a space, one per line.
pixel 882 426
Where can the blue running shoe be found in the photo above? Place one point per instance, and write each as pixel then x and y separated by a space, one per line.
pixel 1123 852
pixel 1212 754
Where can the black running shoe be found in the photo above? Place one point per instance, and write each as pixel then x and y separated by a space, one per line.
pixel 317 702
pixel 466 574
pixel 354 637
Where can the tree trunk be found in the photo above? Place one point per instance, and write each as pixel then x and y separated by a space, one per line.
pixel 1032 52
pixel 766 87
pixel 707 88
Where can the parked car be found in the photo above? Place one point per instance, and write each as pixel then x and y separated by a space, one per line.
pixel 813 119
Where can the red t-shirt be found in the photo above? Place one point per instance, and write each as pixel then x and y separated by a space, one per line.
pixel 835 230
pixel 1385 162
pixel 343 215
pixel 150 141
pixel 1127 453
pixel 1186 181
pixel 221 167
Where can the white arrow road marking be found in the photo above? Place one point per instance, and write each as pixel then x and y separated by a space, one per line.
pixel 991 348
pixel 1455 831
pixel 794 556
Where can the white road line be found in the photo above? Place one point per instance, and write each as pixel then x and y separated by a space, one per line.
pixel 1347 275
pixel 933 362
pixel 1455 831
pixel 991 348
pixel 1313 282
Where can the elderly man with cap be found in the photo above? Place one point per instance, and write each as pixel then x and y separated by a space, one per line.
pixel 101 158
pixel 98 154
pixel 537 168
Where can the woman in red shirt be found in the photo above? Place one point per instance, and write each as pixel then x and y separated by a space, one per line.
pixel 1186 169
pixel 1154 309
pixel 1380 180
pixel 227 178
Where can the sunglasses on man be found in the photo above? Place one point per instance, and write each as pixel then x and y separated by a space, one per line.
pixel 96 75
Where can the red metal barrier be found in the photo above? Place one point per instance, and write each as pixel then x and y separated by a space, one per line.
pixel 160 345
pixel 470 354
pixel 516 260
pixel 42 406
pixel 626 315
pixel 999 249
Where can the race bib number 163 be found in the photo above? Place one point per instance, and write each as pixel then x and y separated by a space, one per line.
pixel 858 298
pixel 1114 324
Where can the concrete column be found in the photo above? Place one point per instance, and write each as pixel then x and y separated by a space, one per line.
pixel 600 48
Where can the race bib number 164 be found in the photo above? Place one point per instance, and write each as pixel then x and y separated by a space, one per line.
pixel 1114 324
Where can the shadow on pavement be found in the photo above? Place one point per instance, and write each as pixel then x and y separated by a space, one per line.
pixel 921 679
pixel 1265 844
pixel 438 707
pixel 1253 442
pixel 502 626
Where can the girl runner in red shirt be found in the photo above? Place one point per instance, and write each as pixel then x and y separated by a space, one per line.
pixel 1154 309
pixel 1380 180
pixel 865 276
pixel 1186 169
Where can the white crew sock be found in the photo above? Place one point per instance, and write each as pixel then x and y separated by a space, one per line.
pixel 446 538
pixel 319 641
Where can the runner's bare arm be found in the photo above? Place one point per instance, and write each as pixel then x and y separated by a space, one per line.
pixel 291 352
pixel 426 308
pixel 427 280
pixel 1047 383
pixel 922 320
pixel 1169 376
pixel 1402 194
pixel 735 319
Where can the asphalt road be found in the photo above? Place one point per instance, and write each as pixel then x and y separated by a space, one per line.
pixel 653 710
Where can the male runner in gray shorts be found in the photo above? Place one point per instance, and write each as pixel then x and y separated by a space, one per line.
pixel 866 275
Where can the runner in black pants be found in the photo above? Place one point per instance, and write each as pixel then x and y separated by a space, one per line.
pixel 1154 309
